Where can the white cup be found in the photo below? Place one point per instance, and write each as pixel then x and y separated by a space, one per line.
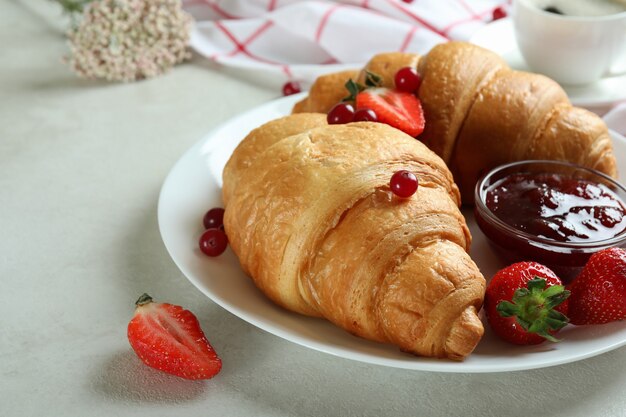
pixel 570 49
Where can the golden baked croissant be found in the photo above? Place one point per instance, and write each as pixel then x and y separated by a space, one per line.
pixel 310 215
pixel 481 114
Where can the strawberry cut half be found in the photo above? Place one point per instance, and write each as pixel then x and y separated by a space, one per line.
pixel 169 338
pixel 398 109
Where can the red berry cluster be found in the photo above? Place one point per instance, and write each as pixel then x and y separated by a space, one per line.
pixel 345 113
pixel 213 241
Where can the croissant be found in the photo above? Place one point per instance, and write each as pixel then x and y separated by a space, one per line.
pixel 310 215
pixel 480 114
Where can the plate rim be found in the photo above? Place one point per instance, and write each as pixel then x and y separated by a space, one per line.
pixel 419 363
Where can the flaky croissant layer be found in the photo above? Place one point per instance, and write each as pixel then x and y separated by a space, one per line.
pixel 311 218
pixel 481 114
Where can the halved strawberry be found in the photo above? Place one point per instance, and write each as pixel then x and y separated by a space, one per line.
pixel 169 338
pixel 396 108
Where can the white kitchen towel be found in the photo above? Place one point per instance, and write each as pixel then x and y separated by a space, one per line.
pixel 289 40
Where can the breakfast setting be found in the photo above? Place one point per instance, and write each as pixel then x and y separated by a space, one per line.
pixel 314 208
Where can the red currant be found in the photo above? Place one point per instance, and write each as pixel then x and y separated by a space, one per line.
pixel 407 79
pixel 365 115
pixel 498 13
pixel 340 114
pixel 403 184
pixel 213 242
pixel 292 87
pixel 214 218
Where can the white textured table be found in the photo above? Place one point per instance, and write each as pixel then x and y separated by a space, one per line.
pixel 81 165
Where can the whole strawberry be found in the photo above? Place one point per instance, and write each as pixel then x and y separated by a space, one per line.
pixel 525 304
pixel 599 292
pixel 169 338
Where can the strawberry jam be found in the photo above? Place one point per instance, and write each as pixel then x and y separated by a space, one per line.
pixel 556 207
pixel 554 213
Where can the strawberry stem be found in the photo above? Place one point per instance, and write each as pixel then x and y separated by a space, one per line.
pixel 144 299
pixel 354 88
pixel 533 308
pixel 372 80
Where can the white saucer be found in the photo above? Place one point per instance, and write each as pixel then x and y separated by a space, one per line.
pixel 499 37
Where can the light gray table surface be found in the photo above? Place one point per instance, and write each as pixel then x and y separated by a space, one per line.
pixel 81 166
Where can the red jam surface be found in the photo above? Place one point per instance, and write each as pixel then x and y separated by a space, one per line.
pixel 571 218
pixel 557 207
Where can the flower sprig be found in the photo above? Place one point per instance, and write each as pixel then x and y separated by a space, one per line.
pixel 127 40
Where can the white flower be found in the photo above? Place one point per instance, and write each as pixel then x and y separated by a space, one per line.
pixel 127 40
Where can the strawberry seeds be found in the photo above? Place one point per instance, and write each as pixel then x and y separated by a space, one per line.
pixel 168 337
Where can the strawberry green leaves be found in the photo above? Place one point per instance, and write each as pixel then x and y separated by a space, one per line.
pixel 354 88
pixel 533 308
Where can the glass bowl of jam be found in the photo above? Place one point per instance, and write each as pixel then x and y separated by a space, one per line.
pixel 551 212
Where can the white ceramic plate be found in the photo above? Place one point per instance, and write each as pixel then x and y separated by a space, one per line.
pixel 194 185
pixel 499 37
